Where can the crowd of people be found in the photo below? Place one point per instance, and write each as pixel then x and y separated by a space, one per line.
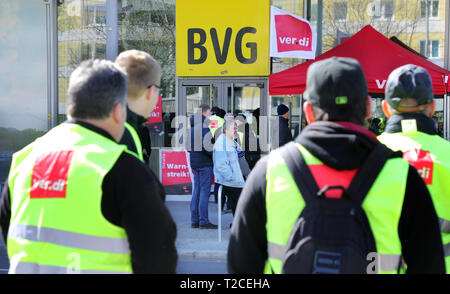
pixel 336 199
pixel 235 151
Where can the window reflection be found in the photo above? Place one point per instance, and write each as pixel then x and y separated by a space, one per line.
pixel 81 36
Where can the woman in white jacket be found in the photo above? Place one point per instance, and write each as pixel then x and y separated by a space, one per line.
pixel 227 170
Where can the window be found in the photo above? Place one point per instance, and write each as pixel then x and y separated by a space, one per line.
pixel 313 11
pixel 387 8
pixel 340 11
pixel 422 47
pixel 95 15
pixel 433 6
pixel 383 9
pixel 434 50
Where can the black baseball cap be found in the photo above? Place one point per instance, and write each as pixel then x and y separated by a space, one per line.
pixel 336 83
pixel 282 109
pixel 409 81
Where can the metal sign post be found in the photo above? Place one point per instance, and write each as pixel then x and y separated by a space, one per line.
pixel 219 213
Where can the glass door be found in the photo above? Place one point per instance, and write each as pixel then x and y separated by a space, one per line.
pixel 438 117
pixel 198 95
pixel 248 97
pixel 245 98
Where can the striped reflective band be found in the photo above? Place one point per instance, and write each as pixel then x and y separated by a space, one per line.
pixel 447 250
pixel 445 225
pixel 275 251
pixel 387 262
pixel 69 239
pixel 34 268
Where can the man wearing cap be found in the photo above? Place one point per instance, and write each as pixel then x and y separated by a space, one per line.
pixel 281 133
pixel 409 105
pixel 334 146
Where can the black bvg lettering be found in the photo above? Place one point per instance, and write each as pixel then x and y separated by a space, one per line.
pixel 221 55
pixel 253 46
pixel 192 46
pixel 221 52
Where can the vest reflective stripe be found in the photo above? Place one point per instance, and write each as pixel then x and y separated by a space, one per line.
pixel 47 231
pixel 444 225
pixel 387 262
pixel 284 204
pixel 447 250
pixel 69 239
pixel 137 142
pixel 34 268
pixel 275 251
pixel 440 186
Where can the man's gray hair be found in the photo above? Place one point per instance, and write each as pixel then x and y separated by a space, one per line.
pixel 95 87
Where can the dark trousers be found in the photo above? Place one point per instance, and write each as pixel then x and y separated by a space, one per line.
pixel 200 194
pixel 232 194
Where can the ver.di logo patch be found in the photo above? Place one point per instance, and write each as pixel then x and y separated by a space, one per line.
pixel 422 161
pixel 49 177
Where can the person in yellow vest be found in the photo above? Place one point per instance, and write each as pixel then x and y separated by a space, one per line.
pixel 409 105
pixel 216 120
pixel 78 202
pixel 333 150
pixel 144 75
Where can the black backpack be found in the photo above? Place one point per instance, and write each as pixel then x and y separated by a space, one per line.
pixel 332 236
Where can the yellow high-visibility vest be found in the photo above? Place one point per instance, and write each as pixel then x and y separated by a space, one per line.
pixel 382 205
pixel 56 221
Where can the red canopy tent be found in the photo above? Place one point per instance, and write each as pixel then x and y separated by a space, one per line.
pixel 378 57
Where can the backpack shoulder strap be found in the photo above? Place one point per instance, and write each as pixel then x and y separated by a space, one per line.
pixel 368 172
pixel 299 171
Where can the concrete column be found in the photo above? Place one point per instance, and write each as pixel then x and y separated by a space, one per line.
pixel 112 35
pixel 52 61
pixel 319 27
pixel 447 36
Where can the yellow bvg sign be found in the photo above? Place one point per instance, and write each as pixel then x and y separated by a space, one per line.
pixel 222 37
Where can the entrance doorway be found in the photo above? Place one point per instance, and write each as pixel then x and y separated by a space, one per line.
pixel 246 96
pixel 233 96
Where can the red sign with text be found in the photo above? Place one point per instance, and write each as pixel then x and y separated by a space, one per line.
pixel 292 34
pixel 49 177
pixel 154 120
pixel 175 172
pixel 156 115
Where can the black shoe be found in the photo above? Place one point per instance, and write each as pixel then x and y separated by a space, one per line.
pixel 208 226
pixel 194 225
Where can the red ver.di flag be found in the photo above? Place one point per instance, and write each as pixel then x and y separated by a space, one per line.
pixel 154 121
pixel 175 172
pixel 291 36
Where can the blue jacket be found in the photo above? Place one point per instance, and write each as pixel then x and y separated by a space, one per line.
pixel 227 170
pixel 200 153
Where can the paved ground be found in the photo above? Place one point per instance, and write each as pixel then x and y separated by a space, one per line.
pixel 199 244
